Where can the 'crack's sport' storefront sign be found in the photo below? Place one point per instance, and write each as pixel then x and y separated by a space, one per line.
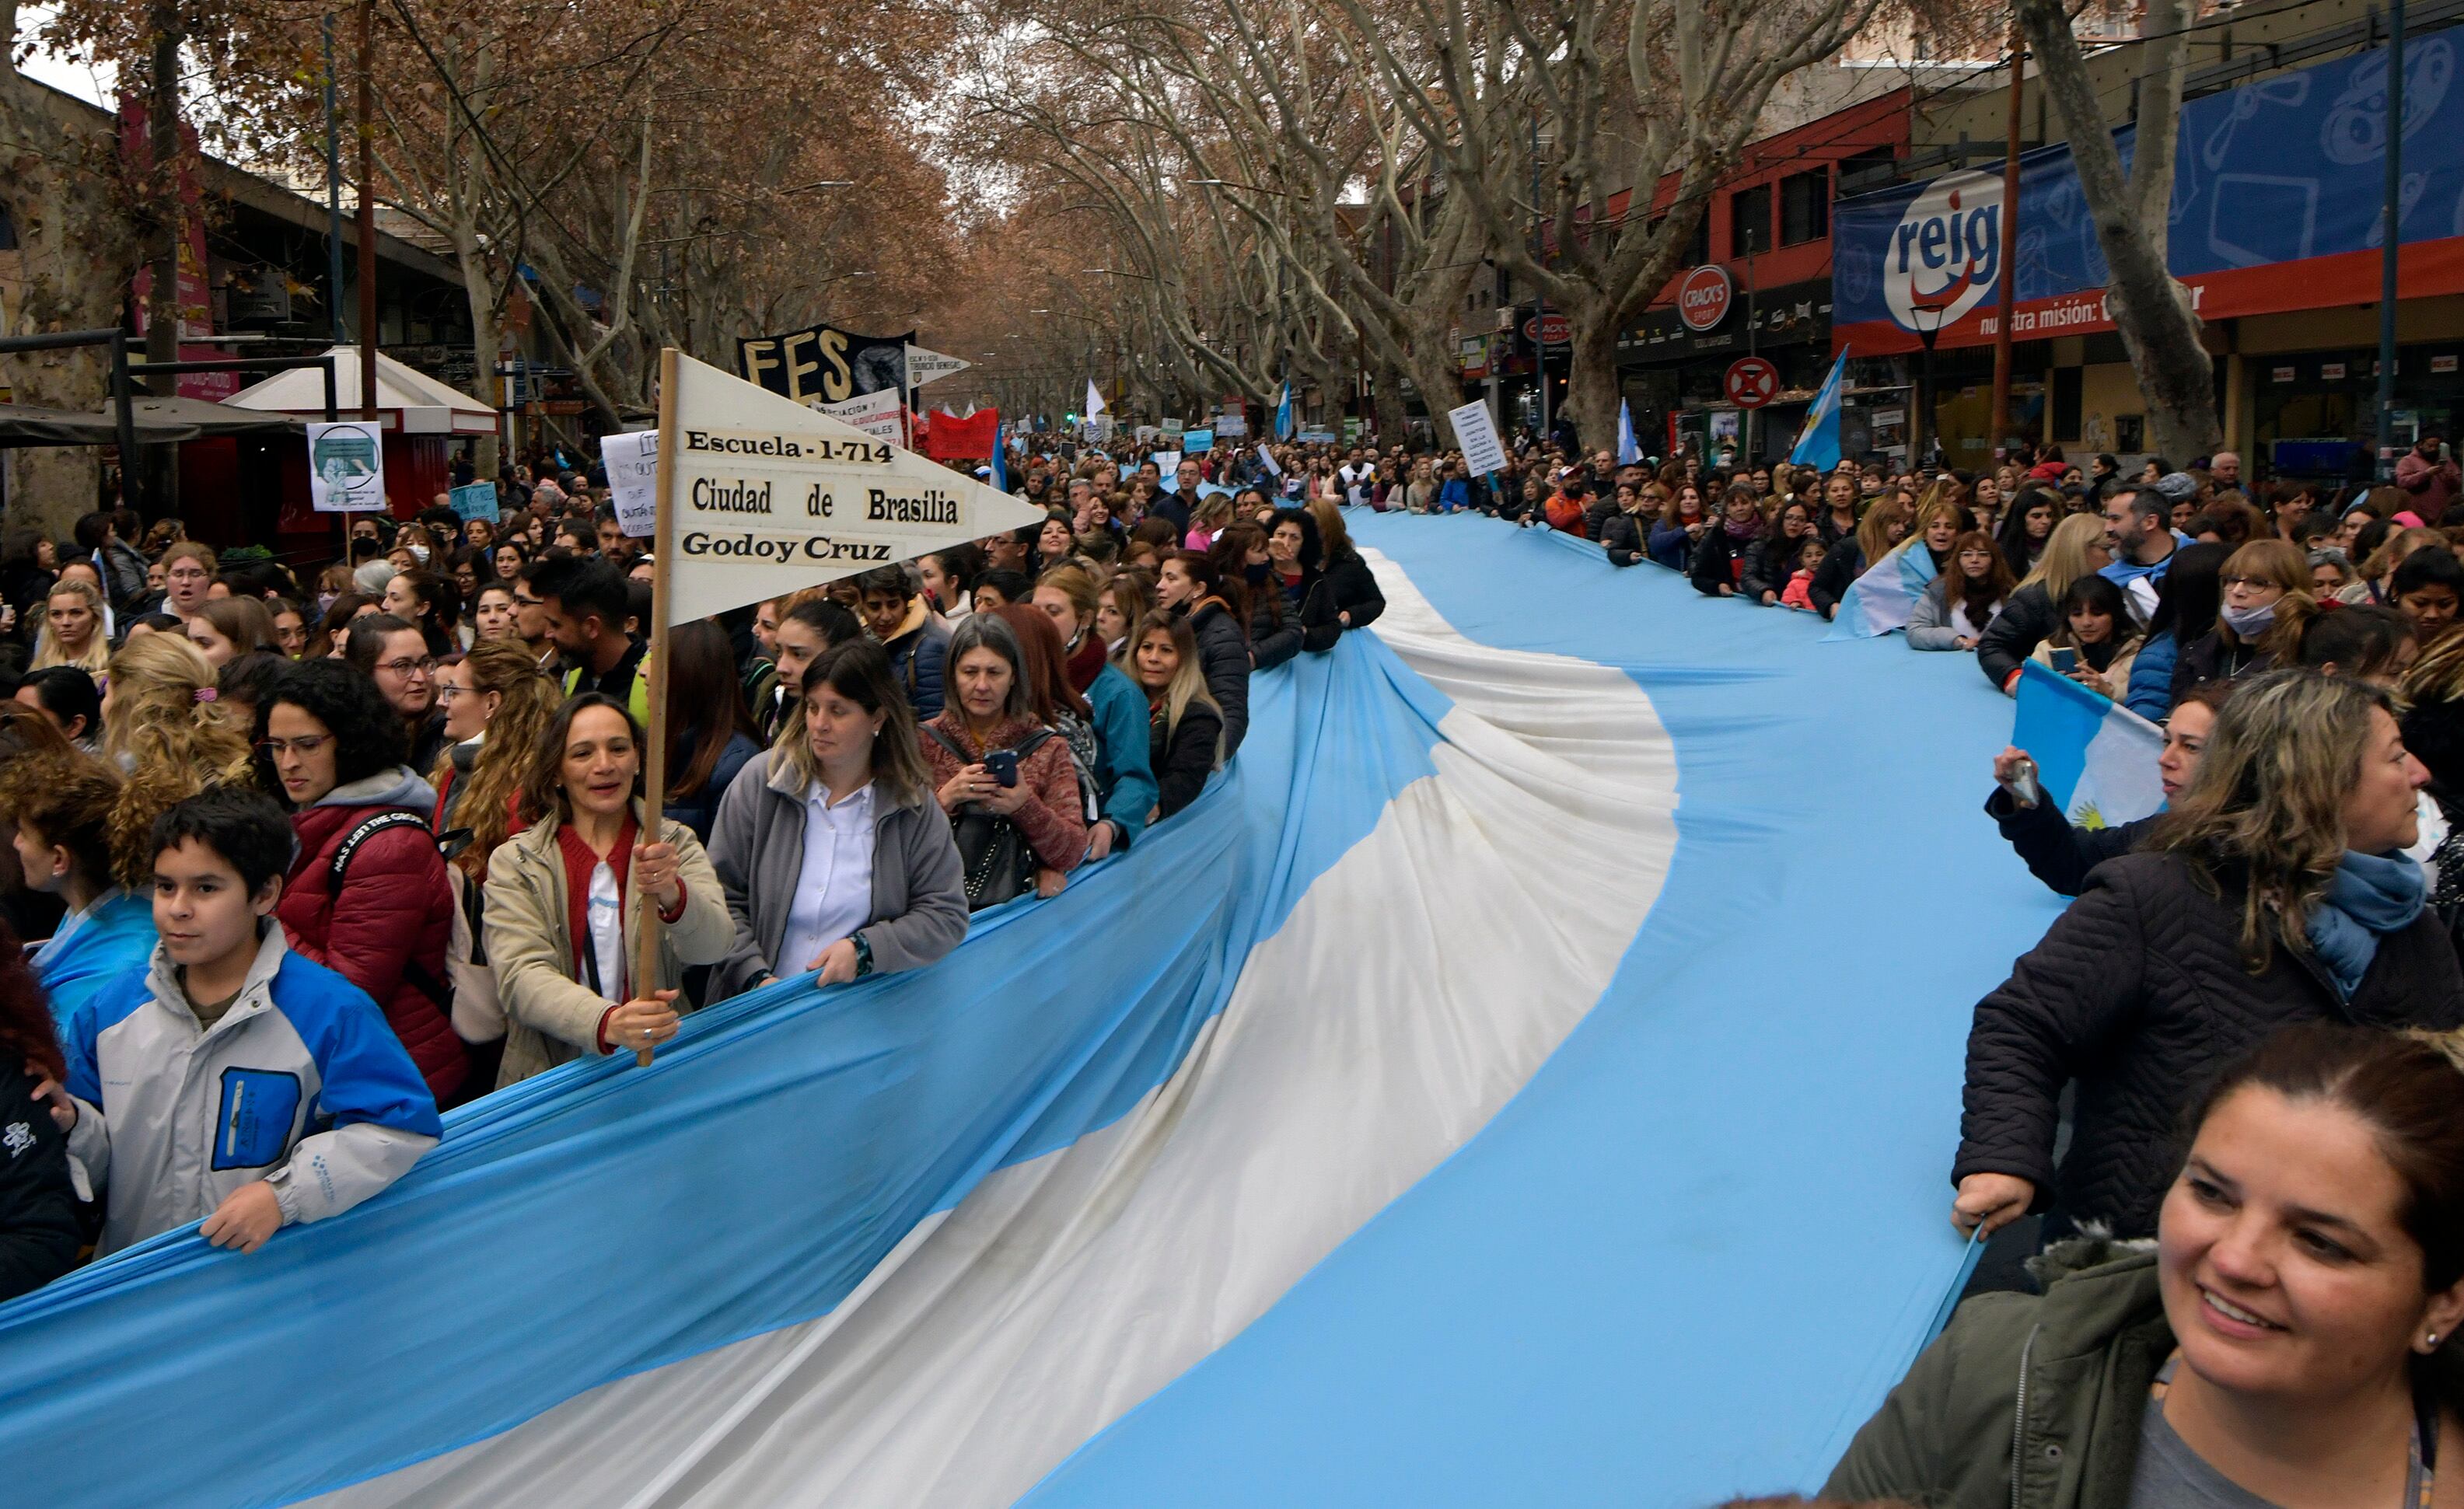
pixel 2275 206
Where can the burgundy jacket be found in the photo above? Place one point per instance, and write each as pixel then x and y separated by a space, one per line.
pixel 387 930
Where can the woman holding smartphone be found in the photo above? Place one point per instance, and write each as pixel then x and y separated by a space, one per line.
pixel 1007 781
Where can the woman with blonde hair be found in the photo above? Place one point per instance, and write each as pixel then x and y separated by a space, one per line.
pixel 2379 571
pixel 2075 549
pixel 1349 597
pixel 73 632
pixel 2274 891
pixel 2267 604
pixel 1185 727
pixel 1884 525
pixel 164 730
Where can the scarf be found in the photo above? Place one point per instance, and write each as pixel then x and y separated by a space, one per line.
pixel 1749 530
pixel 2369 896
pixel 1086 662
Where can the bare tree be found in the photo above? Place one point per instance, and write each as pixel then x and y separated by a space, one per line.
pixel 1590 98
pixel 2152 311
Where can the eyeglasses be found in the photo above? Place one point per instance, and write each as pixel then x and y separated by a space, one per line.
pixel 2255 582
pixel 306 745
pixel 406 666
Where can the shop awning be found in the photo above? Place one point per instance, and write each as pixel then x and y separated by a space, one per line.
pixel 157 422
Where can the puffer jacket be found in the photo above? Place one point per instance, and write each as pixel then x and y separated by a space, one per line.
pixel 2151 692
pixel 919 654
pixel 550 1015
pixel 2209 658
pixel 1837 573
pixel 1354 588
pixel 2057 851
pixel 386 929
pixel 2025 620
pixel 1224 655
pixel 1719 561
pixel 1770 561
pixel 2138 992
pixel 1671 546
pixel 2023 1401
pixel 299 1083
pixel 113 941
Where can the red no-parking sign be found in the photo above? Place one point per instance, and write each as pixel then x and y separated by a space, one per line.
pixel 1752 382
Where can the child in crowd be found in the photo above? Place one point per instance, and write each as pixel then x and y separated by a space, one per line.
pixel 1799 591
pixel 230 1032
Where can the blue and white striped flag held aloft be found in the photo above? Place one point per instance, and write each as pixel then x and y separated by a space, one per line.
pixel 1818 443
pixel 2096 758
pixel 1628 452
pixel 1885 597
pixel 1283 412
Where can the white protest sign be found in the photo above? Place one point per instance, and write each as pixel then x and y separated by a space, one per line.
pixel 1476 432
pixel 1267 459
pixel 347 466
pixel 765 496
pixel 632 462
pixel 1167 465
pixel 876 414
pixel 932 366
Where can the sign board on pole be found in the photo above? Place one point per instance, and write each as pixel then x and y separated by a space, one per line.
pixel 1172 426
pixel 931 366
pixel 1704 296
pixel 1167 462
pixel 1267 459
pixel 1752 382
pixel 767 496
pixel 477 500
pixel 1232 422
pixel 347 466
pixel 632 462
pixel 877 414
pixel 825 362
pixel 1196 440
pixel 1476 432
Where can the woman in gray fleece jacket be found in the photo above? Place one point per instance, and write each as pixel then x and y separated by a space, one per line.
pixel 830 849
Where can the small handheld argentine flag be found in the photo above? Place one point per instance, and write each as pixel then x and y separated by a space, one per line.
pixel 1885 597
pixel 1628 452
pixel 2094 757
pixel 1818 443
pixel 1283 412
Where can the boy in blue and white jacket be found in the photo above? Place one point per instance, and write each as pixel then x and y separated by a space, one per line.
pixel 310 1102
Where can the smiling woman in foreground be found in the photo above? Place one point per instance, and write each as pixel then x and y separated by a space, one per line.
pixel 2290 1342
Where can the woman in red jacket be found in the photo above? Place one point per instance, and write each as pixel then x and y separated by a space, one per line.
pixel 366 894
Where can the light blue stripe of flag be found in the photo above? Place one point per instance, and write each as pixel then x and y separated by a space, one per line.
pixel 2096 758
pixel 1885 597
pixel 1628 452
pixel 1284 413
pixel 1818 443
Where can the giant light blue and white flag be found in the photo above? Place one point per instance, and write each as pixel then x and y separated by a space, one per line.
pixel 1283 412
pixel 1885 596
pixel 1818 443
pixel 2094 757
pixel 1628 452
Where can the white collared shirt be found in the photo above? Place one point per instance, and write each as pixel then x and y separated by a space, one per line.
pixel 834 888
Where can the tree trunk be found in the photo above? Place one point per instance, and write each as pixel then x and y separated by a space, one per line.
pixel 170 214
pixel 479 291
pixel 2150 311
pixel 1591 381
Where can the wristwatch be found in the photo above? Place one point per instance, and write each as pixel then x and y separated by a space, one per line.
pixel 863 956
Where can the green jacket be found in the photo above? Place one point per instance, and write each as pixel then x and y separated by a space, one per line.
pixel 2056 1384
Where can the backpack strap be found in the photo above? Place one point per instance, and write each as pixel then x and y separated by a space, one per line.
pixel 952 745
pixel 367 828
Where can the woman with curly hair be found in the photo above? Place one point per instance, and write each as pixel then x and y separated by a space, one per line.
pixel 39 1227
pixel 366 894
pixel 57 809
pixel 168 735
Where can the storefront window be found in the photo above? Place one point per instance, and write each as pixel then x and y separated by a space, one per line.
pixel 2316 411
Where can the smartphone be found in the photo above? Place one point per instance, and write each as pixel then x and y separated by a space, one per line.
pixel 2065 661
pixel 1003 766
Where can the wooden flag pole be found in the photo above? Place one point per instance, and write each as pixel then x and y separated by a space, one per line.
pixel 654 759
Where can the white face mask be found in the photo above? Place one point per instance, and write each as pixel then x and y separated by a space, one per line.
pixel 421 553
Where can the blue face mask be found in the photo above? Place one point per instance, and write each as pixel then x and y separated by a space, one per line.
pixel 1257 574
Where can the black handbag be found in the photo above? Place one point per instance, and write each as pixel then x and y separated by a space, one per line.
pixel 998 863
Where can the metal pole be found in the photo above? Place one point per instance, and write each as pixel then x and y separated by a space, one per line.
pixel 2007 254
pixel 368 211
pixel 2392 238
pixel 132 481
pixel 1539 293
pixel 1745 426
pixel 333 196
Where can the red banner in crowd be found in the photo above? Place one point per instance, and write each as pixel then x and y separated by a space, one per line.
pixel 948 437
